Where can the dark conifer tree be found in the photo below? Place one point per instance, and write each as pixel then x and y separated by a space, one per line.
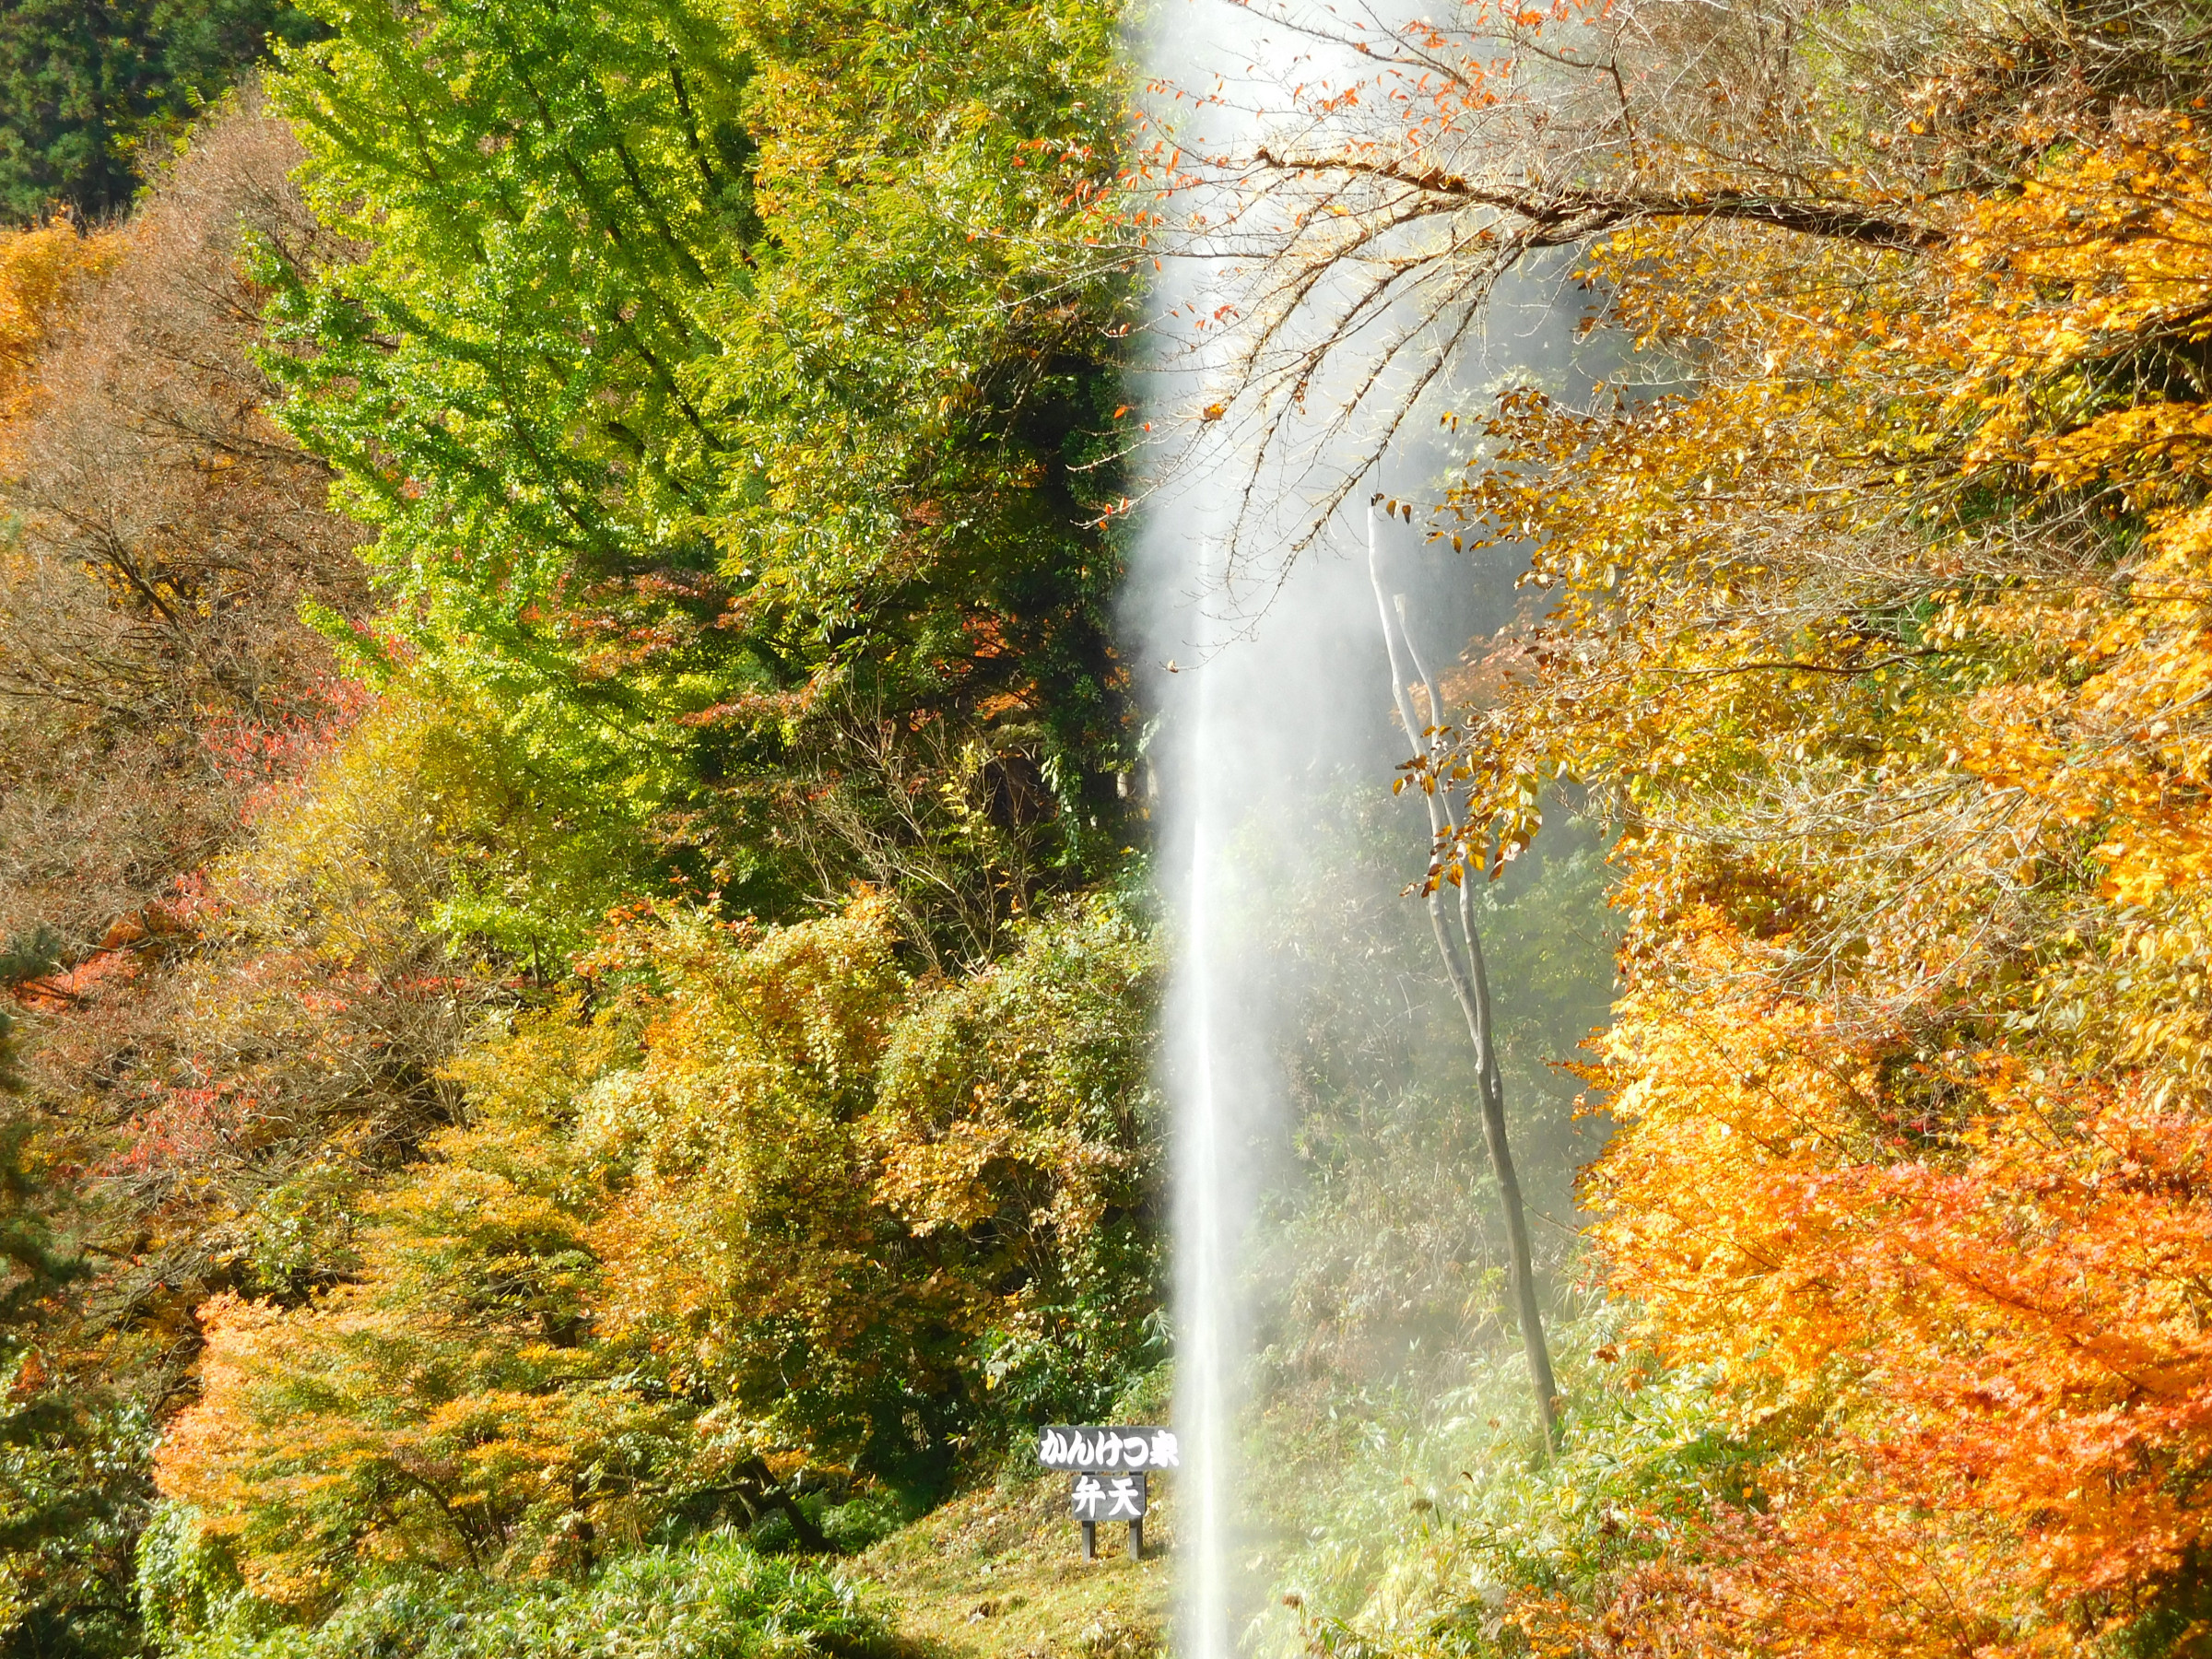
pixel 84 83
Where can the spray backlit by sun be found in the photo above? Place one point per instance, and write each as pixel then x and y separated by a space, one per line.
pixel 1251 604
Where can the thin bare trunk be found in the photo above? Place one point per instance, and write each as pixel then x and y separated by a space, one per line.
pixel 1470 983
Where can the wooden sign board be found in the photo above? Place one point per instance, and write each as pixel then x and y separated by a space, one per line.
pixel 1110 1466
pixel 1088 1450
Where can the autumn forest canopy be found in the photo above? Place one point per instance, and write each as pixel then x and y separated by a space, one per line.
pixel 582 959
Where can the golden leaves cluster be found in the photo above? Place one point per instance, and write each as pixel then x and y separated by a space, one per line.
pixel 776 1200
pixel 40 271
pixel 1879 619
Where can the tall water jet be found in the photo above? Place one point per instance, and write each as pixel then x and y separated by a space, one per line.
pixel 1258 646
pixel 1267 672
pixel 1204 1263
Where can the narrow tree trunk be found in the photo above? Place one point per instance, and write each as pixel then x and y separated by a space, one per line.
pixel 1470 983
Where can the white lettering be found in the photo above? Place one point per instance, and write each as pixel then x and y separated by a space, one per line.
pixel 1098 1450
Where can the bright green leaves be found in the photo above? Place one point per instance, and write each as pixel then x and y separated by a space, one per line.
pixel 546 200
pixel 722 384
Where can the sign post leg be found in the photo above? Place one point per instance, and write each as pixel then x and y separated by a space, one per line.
pixel 1091 1540
pixel 1136 1540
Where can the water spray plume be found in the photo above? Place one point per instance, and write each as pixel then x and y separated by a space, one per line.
pixel 1248 590
pixel 1206 1267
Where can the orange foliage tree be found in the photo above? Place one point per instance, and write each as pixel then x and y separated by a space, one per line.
pixel 1873 607
pixel 41 272
pixel 1888 642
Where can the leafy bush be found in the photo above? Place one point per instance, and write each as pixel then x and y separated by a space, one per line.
pixel 862 1203
pixel 1439 1519
pixel 776 1200
pixel 853 1525
pixel 717 1598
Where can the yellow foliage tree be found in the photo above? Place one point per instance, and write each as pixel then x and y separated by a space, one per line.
pixel 1872 599
pixel 1887 641
pixel 42 271
pixel 777 1203
pixel 852 1200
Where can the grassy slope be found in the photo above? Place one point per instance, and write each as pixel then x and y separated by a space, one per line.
pixel 999 1573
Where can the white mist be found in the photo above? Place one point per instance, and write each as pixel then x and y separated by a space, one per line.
pixel 1269 676
pixel 1273 684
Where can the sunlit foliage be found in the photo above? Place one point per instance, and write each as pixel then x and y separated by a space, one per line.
pixel 154 688
pixel 728 389
pixel 40 272
pixel 1868 598
pixel 1883 627
pixel 728 392
pixel 777 1201
pixel 161 535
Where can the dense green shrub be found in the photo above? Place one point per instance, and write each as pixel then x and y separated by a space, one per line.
pixel 717 1598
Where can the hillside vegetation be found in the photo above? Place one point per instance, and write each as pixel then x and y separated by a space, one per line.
pixel 581 1050
pixel 1868 598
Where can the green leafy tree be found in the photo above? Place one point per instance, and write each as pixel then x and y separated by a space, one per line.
pixel 729 391
pixel 1020 1136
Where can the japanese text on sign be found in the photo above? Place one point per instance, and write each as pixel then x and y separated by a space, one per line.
pixel 1109 1497
pixel 1106 1451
